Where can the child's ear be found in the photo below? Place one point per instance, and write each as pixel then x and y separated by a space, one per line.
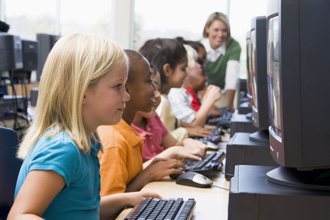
pixel 167 70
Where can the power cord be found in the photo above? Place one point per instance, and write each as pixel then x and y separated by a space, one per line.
pixel 220 187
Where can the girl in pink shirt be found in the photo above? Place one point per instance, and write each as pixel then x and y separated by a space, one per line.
pixel 157 137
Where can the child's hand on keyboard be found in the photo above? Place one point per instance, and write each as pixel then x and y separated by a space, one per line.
pixel 162 167
pixel 198 132
pixel 194 144
pixel 133 198
pixel 181 153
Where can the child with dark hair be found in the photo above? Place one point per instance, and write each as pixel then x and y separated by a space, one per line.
pixel 158 141
pixel 180 99
pixel 170 58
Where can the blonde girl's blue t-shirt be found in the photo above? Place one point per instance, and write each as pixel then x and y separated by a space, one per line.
pixel 80 198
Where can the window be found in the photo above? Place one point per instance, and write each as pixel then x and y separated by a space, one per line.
pixel 27 18
pixel 186 18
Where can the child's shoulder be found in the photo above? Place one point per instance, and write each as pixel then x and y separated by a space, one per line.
pixel 61 138
pixel 58 148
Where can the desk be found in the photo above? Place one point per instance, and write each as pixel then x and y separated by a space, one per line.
pixel 211 203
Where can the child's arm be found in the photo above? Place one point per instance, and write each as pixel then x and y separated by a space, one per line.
pixel 198 132
pixel 156 170
pixel 112 205
pixel 213 93
pixel 181 153
pixel 37 192
pixel 169 141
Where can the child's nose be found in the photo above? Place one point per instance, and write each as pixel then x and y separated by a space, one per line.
pixel 157 94
pixel 154 86
pixel 126 96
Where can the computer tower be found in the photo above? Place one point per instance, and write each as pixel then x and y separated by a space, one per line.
pixel 244 108
pixel 252 197
pixel 242 151
pixel 241 123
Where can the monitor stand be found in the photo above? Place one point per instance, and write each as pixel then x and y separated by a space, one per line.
pixel 313 179
pixel 251 196
pixel 241 150
pixel 260 136
pixel 239 123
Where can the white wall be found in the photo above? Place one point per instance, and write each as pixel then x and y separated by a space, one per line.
pixel 122 23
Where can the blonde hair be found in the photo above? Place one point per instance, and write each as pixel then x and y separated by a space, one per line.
pixel 191 56
pixel 75 62
pixel 216 16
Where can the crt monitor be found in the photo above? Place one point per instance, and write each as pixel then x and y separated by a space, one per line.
pixel 46 43
pixel 10 52
pixel 259 79
pixel 248 67
pixel 298 86
pixel 30 61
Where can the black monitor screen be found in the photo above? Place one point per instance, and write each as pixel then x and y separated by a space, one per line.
pixel 273 69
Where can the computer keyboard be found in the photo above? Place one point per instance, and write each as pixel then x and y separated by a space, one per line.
pixel 224 110
pixel 153 208
pixel 215 137
pixel 221 121
pixel 210 164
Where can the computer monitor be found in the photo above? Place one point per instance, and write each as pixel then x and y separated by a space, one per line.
pixel 298 88
pixel 30 61
pixel 248 67
pixel 10 52
pixel 259 79
pixel 46 43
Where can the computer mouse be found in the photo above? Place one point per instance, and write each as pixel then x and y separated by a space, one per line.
pixel 194 179
pixel 212 146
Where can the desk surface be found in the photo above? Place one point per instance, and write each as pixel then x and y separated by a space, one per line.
pixel 211 203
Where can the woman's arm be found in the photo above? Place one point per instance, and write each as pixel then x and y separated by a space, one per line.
pixel 37 192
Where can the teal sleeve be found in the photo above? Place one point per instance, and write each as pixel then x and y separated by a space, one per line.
pixel 63 158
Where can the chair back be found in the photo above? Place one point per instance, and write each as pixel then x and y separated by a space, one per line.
pixel 9 168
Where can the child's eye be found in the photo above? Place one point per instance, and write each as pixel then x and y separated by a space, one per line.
pixel 118 86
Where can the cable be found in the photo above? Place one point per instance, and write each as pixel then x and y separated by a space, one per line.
pixel 15 102
pixel 220 187
pixel 228 174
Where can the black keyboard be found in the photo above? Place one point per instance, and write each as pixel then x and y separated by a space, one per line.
pixel 152 208
pixel 215 137
pixel 221 121
pixel 210 164
pixel 224 110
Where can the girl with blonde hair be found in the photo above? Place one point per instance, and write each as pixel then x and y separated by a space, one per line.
pixel 82 87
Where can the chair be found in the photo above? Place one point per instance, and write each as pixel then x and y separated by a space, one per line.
pixel 9 168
